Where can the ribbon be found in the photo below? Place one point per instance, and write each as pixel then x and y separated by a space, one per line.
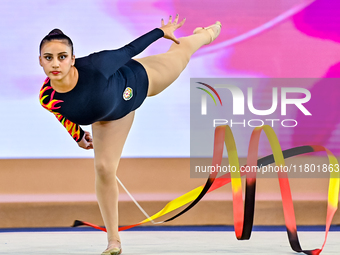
pixel 243 216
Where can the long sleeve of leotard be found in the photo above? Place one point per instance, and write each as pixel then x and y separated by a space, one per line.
pixel 109 61
pixel 73 129
pixel 49 103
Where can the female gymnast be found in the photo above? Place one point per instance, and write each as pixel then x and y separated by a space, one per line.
pixel 104 89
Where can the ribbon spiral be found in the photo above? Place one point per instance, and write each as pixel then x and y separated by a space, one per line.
pixel 243 216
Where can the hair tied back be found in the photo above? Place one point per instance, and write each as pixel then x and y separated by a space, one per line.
pixel 56 31
pixel 56 34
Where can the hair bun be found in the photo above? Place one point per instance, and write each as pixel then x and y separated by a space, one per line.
pixel 56 31
pixel 56 34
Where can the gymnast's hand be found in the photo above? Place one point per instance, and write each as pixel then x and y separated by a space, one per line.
pixel 86 141
pixel 169 28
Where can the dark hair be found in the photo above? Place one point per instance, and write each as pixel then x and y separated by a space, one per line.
pixel 56 34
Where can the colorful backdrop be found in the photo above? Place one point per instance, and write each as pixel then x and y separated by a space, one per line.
pixel 259 39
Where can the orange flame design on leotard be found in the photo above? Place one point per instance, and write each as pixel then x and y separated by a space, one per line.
pixel 51 104
pixel 72 128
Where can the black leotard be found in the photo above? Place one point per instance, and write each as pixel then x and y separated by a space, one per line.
pixel 110 85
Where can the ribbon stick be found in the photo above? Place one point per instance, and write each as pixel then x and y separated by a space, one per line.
pixel 244 214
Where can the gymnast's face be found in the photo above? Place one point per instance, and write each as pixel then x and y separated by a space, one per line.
pixel 56 59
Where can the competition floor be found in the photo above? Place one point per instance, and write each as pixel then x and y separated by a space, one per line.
pixel 172 240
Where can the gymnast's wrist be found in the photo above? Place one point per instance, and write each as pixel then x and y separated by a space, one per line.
pixel 81 136
pixel 160 30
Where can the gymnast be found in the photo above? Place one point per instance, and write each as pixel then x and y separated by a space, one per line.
pixel 104 89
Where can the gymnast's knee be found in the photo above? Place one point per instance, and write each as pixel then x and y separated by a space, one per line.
pixel 105 170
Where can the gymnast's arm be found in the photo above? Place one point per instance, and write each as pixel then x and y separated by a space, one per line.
pixel 109 61
pixel 83 138
pixel 72 128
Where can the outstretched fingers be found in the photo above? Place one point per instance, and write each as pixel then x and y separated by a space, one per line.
pixel 181 23
pixel 170 27
pixel 173 23
pixel 176 21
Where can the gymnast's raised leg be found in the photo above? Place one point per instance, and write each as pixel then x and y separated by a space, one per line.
pixel 163 69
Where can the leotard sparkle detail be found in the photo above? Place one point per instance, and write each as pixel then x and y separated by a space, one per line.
pixel 110 85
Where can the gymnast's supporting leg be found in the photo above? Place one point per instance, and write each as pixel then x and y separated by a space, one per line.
pixel 109 136
pixel 163 69
pixel 108 141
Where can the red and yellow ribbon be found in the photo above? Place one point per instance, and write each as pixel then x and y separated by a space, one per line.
pixel 243 215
